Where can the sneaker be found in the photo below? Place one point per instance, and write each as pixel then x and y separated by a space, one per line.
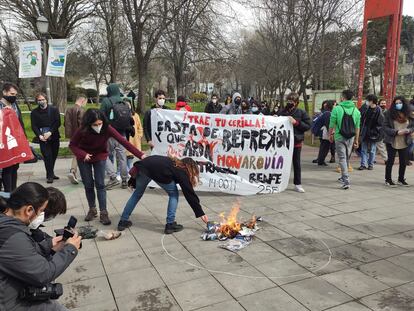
pixel 55 177
pixel 362 167
pixel 104 219
pixel 112 183
pixel 390 183
pixel 332 160
pixel 323 164
pixel 123 224
pixel 124 184
pixel 173 227
pixel 315 161
pixel 403 183
pixel 340 180
pixel 409 163
pixel 72 178
pixel 345 186
pixel 370 168
pixel 92 213
pixel 299 188
pixel 49 180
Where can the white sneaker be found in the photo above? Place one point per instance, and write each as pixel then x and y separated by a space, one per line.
pixel 72 178
pixel 299 188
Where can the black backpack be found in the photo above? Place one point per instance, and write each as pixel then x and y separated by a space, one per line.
pixel 121 116
pixel 348 125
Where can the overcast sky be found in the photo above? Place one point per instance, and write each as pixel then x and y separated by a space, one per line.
pixel 408 7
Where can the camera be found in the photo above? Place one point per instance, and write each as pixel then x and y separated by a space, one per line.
pixel 49 291
pixel 68 231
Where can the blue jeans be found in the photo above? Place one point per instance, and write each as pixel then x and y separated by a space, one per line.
pixel 368 151
pixel 94 179
pixel 141 184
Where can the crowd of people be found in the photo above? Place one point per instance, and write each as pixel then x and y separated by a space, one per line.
pixel 106 141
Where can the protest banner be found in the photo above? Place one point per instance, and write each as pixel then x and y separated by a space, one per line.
pixel 14 147
pixel 30 59
pixel 56 63
pixel 237 154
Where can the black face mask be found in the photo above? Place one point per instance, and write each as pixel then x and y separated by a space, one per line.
pixel 237 102
pixel 10 99
pixel 290 105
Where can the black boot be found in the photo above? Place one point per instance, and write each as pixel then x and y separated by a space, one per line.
pixel 173 227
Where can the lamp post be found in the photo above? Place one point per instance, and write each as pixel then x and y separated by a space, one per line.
pixel 42 25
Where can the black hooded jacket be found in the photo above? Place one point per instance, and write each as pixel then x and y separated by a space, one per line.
pixel 303 125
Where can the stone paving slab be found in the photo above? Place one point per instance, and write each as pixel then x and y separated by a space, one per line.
pixel 326 249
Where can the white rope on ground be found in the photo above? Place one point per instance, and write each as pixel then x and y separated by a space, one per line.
pixel 248 276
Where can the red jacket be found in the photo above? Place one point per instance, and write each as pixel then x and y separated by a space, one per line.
pixel 87 141
pixel 182 106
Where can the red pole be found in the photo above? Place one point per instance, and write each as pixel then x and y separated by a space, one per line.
pixel 362 62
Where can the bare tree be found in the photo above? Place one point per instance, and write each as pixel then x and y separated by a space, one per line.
pixel 9 60
pixel 63 16
pixel 147 19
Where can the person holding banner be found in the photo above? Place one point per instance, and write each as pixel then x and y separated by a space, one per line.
pixel 301 124
pixel 159 104
pixel 90 146
pixel 167 173
pixel 45 124
pixel 9 101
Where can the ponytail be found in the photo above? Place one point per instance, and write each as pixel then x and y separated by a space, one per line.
pixel 3 204
pixel 29 193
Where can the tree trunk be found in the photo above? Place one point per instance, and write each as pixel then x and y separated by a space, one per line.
pixel 142 85
pixel 59 91
pixel 302 92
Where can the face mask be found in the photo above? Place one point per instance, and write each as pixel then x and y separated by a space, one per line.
pixel 290 105
pixel 10 99
pixel 255 109
pixel 42 103
pixel 399 106
pixel 237 102
pixel 97 128
pixel 214 101
pixel 161 102
pixel 35 223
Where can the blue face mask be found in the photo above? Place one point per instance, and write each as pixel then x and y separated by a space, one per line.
pixel 399 106
pixel 255 109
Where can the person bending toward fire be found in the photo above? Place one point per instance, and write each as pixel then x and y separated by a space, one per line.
pixel 167 173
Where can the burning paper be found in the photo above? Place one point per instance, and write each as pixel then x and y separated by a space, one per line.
pixel 239 234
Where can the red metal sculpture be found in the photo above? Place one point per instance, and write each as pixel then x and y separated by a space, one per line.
pixel 391 9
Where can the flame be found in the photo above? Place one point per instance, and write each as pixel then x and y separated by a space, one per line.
pixel 230 227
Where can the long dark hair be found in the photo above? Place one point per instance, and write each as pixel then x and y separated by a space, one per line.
pixel 91 116
pixel 191 168
pixel 29 193
pixel 405 111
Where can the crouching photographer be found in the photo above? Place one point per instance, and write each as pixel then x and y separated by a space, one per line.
pixel 25 273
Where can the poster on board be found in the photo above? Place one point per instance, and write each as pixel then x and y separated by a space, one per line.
pixel 30 59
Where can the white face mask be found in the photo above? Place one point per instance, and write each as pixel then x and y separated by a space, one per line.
pixel 161 102
pixel 255 109
pixel 97 128
pixel 35 223
pixel 214 101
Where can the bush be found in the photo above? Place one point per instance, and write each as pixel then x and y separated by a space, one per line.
pixel 91 93
pixel 198 97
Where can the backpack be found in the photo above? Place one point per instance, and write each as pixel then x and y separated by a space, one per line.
pixel 316 125
pixel 348 125
pixel 120 116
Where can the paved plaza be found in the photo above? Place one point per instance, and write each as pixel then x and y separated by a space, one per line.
pixel 327 249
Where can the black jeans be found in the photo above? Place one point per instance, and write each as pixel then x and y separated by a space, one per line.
pixel 297 171
pixel 9 177
pixel 403 156
pixel 333 149
pixel 324 149
pixel 49 150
